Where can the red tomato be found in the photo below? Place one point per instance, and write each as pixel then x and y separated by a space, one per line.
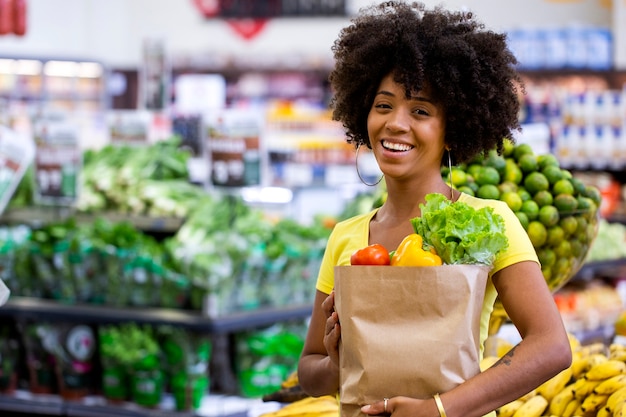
pixel 375 254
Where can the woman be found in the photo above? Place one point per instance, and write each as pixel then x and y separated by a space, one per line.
pixel 421 87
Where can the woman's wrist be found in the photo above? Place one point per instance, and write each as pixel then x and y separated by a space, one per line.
pixel 439 404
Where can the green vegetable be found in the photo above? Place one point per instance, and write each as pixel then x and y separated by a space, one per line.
pixel 461 234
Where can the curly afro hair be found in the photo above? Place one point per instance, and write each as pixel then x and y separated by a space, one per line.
pixel 468 70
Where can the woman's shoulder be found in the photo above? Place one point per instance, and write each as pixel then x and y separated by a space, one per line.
pixel 476 202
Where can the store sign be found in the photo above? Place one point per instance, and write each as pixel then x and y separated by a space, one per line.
pixel 266 9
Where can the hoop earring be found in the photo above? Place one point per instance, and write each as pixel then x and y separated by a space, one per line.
pixel 356 163
pixel 450 175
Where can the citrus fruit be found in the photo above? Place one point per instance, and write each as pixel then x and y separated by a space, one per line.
pixel 563 249
pixel 508 148
pixel 553 173
pixel 537 233
pixel 543 198
pixel 548 215
pixel 569 225
pixel 563 186
pixel 507 186
pixel 593 193
pixel 546 256
pixel 535 182
pixel 523 219
pixel 466 189
pixel 531 209
pixel 487 175
pixel 458 177
pixel 556 234
pixel 579 186
pixel 473 169
pixel 512 172
pixel 528 163
pixel 565 203
pixel 522 149
pixel 512 199
pixel 488 191
pixel 546 160
pixel 496 161
pixel 525 195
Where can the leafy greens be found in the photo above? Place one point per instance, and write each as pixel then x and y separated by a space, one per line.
pixel 460 233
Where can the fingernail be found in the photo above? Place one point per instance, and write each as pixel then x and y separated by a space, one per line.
pixel 365 408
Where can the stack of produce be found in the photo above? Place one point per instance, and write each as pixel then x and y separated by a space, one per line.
pixel 594 385
pixel 558 211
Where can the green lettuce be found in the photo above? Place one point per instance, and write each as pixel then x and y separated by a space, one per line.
pixel 460 233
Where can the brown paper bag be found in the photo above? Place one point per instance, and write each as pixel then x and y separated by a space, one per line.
pixel 411 331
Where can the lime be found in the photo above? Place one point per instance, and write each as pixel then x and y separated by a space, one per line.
pixel 563 249
pixel 466 189
pixel 531 209
pixel 512 199
pixel 581 229
pixel 547 273
pixel 563 186
pixel 508 148
pixel 579 186
pixel 577 248
pixel 522 149
pixel 569 224
pixel 458 177
pixel 512 172
pixel 548 215
pixel 488 191
pixel 552 173
pixel 525 195
pixel 546 256
pixel 473 169
pixel 565 203
pixel 546 160
pixel 584 203
pixel 562 268
pixel 593 193
pixel 496 161
pixel 555 235
pixel 528 163
pixel 523 219
pixel 537 233
pixel 472 184
pixel 506 186
pixel 543 198
pixel 487 175
pixel 535 182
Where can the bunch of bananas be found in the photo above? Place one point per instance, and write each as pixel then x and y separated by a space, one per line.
pixel 593 386
pixel 326 406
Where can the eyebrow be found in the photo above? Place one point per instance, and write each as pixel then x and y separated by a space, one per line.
pixel 416 98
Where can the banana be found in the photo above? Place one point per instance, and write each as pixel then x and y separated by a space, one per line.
pixel 534 407
pixel 507 410
pixel 619 355
pixel 593 402
pixel 555 384
pixel 528 395
pixel 610 385
pixel 580 365
pixel 583 387
pixel 307 407
pixel 488 361
pixel 615 398
pixel 560 400
pixel 290 381
pixel 605 370
pixel 604 412
pixel 594 348
pixel 571 408
pixel 620 411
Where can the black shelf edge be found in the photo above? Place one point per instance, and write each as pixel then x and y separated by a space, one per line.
pixel 36 309
pixel 36 404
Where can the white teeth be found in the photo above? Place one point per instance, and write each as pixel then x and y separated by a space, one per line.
pixel 396 146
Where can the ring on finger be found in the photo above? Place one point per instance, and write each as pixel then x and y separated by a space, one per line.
pixel 386 400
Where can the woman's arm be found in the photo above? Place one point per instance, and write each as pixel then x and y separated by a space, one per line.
pixel 543 352
pixel 318 368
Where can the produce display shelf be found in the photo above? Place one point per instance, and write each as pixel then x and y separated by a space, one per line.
pixel 41 215
pixel 54 405
pixel 594 269
pixel 36 309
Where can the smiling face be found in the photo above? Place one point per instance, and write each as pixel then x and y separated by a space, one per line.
pixel 406 134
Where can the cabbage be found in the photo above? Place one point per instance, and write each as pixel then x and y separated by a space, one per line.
pixel 460 233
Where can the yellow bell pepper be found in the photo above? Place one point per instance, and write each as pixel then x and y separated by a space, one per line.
pixel 411 253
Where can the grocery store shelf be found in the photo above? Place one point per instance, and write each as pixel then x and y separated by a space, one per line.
pixel 594 269
pixel 36 309
pixel 41 215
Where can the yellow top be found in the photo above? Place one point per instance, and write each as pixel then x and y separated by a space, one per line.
pixel 352 234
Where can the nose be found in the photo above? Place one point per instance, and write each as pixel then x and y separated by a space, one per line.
pixel 397 121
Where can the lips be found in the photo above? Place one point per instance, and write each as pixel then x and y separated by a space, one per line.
pixel 396 146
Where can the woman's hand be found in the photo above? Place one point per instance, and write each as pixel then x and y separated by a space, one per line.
pixel 332 332
pixel 402 407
